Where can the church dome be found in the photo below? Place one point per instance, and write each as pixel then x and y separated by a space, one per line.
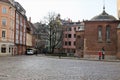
pixel 103 17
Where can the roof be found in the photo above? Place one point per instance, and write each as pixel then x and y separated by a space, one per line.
pixel 103 17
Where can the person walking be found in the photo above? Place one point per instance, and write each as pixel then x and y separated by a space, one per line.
pixel 103 53
pixel 100 54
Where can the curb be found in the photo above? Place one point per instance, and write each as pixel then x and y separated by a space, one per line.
pixel 75 58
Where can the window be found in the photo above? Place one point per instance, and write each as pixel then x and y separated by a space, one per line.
pixel 69 29
pixel 69 43
pixel 108 33
pixel 3 48
pixel 3 34
pixel 69 35
pixel 74 35
pixel 4 21
pixel 100 33
pixel 4 10
pixel 74 29
pixel 78 27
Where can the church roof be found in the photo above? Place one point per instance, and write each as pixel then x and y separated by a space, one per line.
pixel 103 17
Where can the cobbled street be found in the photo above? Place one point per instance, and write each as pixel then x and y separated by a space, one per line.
pixel 45 68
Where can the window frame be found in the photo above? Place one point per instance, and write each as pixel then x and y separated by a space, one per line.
pixel 4 10
pixel 108 31
pixel 3 35
pixel 4 22
pixel 100 37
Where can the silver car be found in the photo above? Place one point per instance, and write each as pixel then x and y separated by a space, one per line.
pixel 30 51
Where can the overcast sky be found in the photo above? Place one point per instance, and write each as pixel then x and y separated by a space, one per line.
pixel 73 9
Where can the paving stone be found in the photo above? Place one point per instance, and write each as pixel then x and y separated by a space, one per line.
pixel 44 68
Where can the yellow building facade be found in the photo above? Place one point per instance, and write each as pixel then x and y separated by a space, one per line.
pixel 7 22
pixel 29 40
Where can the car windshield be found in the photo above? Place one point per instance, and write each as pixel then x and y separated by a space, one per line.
pixel 29 50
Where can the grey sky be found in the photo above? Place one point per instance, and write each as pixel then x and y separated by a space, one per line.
pixel 73 9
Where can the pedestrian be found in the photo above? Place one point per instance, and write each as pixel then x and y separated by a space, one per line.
pixel 103 53
pixel 100 54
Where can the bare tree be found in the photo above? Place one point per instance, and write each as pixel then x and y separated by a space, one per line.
pixel 51 31
pixel 40 35
pixel 55 31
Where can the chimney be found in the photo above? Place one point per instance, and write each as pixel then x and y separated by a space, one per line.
pixel 69 20
pixel 30 19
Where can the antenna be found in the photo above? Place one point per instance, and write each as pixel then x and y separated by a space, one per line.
pixel 104 5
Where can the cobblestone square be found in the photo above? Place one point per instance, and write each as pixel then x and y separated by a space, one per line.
pixel 45 68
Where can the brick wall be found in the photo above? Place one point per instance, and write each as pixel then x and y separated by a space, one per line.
pixel 93 45
pixel 118 44
pixel 79 43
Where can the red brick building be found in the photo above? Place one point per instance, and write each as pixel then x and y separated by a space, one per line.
pixel 20 29
pixel 100 31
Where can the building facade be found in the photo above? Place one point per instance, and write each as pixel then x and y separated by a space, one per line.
pixel 12 28
pixel 118 8
pixel 118 29
pixel 100 31
pixel 20 29
pixel 7 22
pixel 31 36
pixel 69 39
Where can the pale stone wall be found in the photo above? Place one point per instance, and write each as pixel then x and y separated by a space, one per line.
pixel 29 40
pixel 118 6
pixel 9 48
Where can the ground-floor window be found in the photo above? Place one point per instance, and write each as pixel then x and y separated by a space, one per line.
pixel 3 49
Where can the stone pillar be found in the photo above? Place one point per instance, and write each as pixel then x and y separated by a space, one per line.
pixel 7 48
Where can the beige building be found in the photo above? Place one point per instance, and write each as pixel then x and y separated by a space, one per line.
pixel 29 40
pixel 7 19
pixel 118 6
pixel 13 22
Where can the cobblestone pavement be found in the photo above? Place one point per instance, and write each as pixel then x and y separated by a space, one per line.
pixel 44 68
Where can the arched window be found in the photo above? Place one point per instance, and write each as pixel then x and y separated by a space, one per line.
pixel 108 33
pixel 100 33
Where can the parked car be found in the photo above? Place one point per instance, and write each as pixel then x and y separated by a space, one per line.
pixel 30 51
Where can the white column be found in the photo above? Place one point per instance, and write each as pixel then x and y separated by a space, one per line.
pixel 7 48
